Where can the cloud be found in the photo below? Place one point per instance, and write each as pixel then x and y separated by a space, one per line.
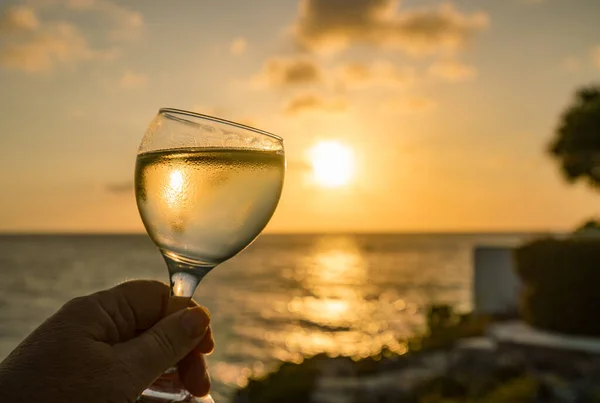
pixel 18 18
pixel 411 105
pixel 337 24
pixel 59 44
pixel 238 46
pixel 281 72
pixel 131 80
pixel 35 46
pixel 378 73
pixel 452 70
pixel 128 23
pixel 314 102
pixel 596 56
pixel 298 165
pixel 119 188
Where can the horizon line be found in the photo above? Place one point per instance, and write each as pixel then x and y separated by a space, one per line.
pixel 384 232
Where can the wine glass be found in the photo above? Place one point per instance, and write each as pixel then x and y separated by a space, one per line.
pixel 205 188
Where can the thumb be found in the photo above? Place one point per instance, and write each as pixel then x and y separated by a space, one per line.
pixel 147 356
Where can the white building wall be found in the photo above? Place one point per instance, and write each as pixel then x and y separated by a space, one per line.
pixel 496 287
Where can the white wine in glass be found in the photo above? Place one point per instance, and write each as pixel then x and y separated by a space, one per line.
pixel 208 203
pixel 205 188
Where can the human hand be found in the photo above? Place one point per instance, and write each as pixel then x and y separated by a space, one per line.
pixel 108 347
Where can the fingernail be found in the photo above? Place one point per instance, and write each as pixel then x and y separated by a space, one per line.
pixel 195 321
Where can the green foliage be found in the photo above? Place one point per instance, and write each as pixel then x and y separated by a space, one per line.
pixel 576 145
pixel 291 383
pixel 561 280
pixel 441 389
pixel 445 327
pixel 589 225
pixel 522 389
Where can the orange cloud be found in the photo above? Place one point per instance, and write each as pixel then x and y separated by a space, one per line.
pixel 34 46
pixel 280 72
pixel 452 70
pixel 238 46
pixel 119 188
pixel 128 23
pixel 410 105
pixel 337 24
pixel 18 18
pixel 57 44
pixel 131 80
pixel 314 102
pixel 377 73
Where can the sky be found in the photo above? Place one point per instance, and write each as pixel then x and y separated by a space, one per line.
pixel 444 108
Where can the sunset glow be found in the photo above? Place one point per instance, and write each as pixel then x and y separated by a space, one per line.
pixel 396 115
pixel 332 164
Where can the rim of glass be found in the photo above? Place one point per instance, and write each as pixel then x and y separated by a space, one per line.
pixel 183 112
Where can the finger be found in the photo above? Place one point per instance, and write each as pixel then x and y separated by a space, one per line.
pixel 191 304
pixel 116 314
pixel 194 374
pixel 207 344
pixel 147 356
pixel 145 298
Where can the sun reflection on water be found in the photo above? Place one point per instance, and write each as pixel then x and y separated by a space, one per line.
pixel 332 298
pixel 338 313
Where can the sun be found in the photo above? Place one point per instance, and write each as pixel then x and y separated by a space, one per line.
pixel 332 163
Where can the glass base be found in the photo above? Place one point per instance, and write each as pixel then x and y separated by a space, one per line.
pixel 169 389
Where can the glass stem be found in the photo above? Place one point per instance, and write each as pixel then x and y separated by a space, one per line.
pixel 184 275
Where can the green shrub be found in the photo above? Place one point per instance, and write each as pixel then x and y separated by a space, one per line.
pixel 445 327
pixel 561 279
pixel 521 390
pixel 592 224
pixel 440 389
pixel 293 383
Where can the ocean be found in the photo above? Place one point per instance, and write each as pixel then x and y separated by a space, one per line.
pixel 284 298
